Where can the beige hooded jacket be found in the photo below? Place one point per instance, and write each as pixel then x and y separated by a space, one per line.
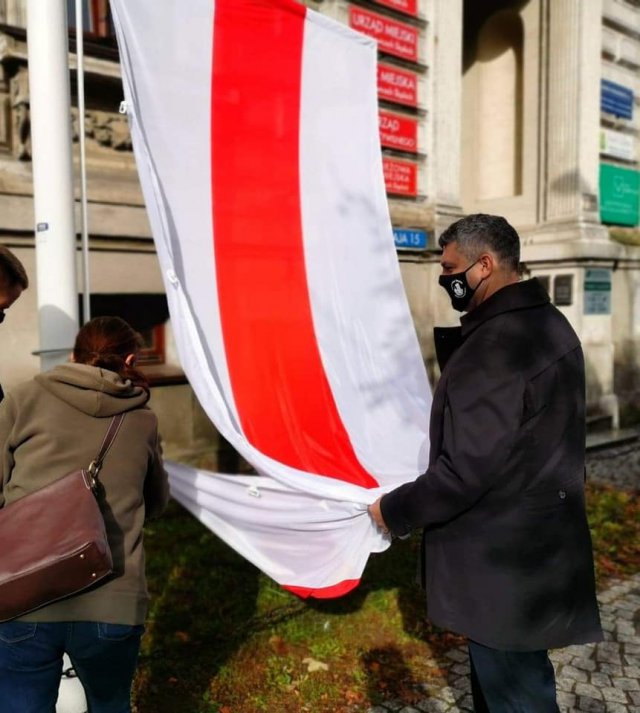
pixel 55 424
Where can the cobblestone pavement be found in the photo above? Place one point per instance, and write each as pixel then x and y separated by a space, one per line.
pixel 593 678
pixel 618 466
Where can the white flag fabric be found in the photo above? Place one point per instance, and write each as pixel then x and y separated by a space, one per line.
pixel 255 129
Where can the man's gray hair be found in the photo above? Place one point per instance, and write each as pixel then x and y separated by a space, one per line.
pixel 479 232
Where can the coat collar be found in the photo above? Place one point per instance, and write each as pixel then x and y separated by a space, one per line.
pixel 519 295
pixel 446 340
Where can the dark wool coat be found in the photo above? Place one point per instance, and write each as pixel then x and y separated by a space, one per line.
pixel 507 550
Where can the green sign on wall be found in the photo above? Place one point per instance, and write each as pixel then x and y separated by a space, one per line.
pixel 619 195
pixel 597 291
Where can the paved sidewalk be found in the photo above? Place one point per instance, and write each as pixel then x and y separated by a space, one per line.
pixel 615 464
pixel 594 678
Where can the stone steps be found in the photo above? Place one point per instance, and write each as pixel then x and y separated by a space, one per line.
pixel 600 440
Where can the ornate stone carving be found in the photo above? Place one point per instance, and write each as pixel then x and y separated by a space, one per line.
pixel 21 123
pixel 106 129
pixel 109 130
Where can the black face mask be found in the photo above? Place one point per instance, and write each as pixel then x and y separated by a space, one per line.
pixel 458 288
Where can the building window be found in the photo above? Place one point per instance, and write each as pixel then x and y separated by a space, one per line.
pixel 96 17
pixel 153 351
pixel 146 313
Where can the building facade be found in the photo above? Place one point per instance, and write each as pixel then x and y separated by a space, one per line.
pixel 528 109
pixel 525 108
pixel 124 274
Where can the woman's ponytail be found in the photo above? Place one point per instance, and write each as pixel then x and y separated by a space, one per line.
pixel 106 342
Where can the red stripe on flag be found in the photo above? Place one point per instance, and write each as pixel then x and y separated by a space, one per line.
pixel 336 590
pixel 281 391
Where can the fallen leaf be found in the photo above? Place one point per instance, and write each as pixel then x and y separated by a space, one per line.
pixel 279 645
pixel 313 665
pixel 353 696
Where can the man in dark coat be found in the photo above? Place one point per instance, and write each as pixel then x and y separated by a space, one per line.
pixel 507 550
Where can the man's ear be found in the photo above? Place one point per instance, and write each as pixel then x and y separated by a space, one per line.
pixel 488 263
pixel 130 359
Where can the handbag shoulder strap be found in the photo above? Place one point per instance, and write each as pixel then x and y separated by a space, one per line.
pixel 110 436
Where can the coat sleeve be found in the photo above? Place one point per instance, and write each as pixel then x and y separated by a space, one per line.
pixel 156 483
pixel 7 418
pixel 481 421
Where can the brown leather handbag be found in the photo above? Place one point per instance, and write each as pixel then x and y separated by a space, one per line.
pixel 53 541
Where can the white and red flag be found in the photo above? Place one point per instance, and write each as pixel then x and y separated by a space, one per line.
pixel 255 128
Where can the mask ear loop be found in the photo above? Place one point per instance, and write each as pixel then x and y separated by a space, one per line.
pixel 482 279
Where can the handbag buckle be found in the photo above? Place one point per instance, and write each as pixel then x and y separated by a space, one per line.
pixel 92 472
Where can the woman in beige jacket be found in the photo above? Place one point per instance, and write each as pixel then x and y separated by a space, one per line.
pixel 50 426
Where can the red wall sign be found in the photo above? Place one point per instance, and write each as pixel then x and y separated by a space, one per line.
pixel 400 177
pixel 393 37
pixel 398 132
pixel 410 7
pixel 397 85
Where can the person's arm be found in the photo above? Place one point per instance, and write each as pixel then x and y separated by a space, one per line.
pixel 156 484
pixel 7 418
pixel 482 417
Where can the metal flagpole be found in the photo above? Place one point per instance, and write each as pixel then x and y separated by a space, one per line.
pixel 86 288
pixel 52 179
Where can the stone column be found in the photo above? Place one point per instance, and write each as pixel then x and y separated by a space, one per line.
pixel 570 242
pixel 445 110
pixel 569 181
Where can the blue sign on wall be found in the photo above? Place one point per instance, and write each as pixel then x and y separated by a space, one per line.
pixel 410 239
pixel 616 99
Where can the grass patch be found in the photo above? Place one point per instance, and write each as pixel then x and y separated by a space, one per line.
pixel 223 638
pixel 614 519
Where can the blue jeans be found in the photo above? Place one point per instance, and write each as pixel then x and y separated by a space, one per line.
pixel 103 655
pixel 511 681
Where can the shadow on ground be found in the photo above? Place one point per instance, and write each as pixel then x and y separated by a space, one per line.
pixel 204 596
pixel 389 676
